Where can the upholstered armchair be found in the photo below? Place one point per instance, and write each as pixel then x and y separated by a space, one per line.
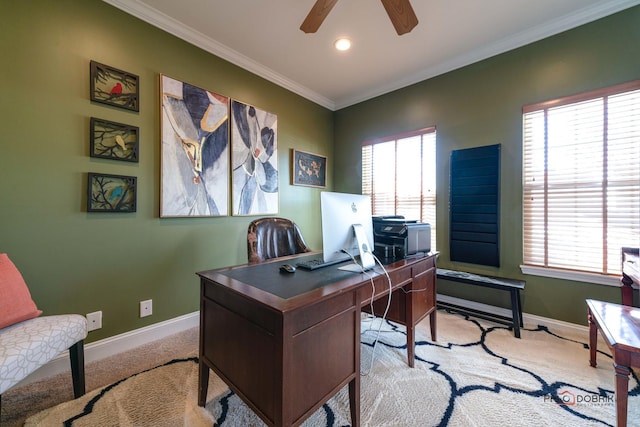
pixel 273 237
pixel 28 340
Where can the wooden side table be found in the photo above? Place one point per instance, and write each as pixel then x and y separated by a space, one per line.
pixel 620 328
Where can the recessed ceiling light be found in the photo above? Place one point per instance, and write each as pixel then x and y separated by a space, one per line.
pixel 342 44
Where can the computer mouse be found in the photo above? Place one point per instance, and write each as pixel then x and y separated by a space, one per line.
pixel 287 268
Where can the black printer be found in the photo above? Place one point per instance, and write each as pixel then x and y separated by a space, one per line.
pixel 396 237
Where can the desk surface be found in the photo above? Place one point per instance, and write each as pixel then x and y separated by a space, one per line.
pixel 288 285
pixel 265 283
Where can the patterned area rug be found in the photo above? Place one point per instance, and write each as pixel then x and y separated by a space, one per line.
pixel 476 374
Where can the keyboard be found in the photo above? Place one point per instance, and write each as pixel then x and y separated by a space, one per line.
pixel 315 263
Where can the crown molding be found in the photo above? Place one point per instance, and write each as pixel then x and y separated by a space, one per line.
pixel 172 26
pixel 563 23
pixel 528 36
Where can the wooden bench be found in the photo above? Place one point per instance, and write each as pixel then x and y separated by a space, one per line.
pixel 511 285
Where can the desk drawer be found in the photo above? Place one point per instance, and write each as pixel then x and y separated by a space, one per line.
pixel 240 305
pixel 424 265
pixel 400 277
pixel 381 285
pixel 310 316
pixel 424 293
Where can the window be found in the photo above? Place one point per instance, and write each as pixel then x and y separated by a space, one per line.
pixel 581 174
pixel 399 173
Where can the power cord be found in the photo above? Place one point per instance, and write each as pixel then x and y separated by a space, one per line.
pixel 386 310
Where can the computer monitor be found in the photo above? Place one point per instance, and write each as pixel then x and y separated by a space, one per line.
pixel 340 213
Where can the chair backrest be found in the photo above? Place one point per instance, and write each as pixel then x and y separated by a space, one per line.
pixel 630 276
pixel 273 237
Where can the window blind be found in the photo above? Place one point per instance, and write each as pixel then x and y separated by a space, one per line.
pixel 581 175
pixel 399 173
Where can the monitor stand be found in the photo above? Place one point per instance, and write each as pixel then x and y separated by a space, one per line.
pixel 367 261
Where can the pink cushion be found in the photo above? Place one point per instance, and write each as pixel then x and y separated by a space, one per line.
pixel 16 304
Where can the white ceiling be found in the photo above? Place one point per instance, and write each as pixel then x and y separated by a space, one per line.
pixel 263 36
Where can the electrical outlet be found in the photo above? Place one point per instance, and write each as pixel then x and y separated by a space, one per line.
pixel 94 320
pixel 146 308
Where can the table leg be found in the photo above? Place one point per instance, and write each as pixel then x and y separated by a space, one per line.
pixel 622 390
pixel 203 382
pixel 432 324
pixel 354 400
pixel 593 338
pixel 411 345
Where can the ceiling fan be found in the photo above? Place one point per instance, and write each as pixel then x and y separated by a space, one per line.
pixel 400 12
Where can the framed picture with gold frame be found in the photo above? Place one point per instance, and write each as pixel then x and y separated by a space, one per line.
pixel 194 158
pixel 254 160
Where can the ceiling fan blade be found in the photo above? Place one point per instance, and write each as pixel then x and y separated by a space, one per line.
pixel 316 16
pixel 401 14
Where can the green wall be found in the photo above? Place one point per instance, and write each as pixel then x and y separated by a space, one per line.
pixel 74 261
pixel 481 104
pixel 78 262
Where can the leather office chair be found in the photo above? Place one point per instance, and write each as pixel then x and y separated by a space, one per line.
pixel 273 237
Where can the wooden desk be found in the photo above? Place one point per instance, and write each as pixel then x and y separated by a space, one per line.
pixel 620 327
pixel 287 343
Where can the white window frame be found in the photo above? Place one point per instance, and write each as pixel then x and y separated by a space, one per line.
pixel 419 205
pixel 536 118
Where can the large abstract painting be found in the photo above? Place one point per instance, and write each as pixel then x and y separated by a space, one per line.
pixel 195 151
pixel 254 159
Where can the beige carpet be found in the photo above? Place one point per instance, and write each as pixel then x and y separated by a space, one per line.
pixel 477 374
pixel 21 402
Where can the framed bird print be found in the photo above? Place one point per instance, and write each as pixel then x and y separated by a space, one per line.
pixel 114 87
pixel 111 193
pixel 111 140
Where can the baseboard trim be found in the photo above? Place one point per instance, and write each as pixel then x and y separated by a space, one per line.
pixel 529 319
pixel 116 344
pixel 129 340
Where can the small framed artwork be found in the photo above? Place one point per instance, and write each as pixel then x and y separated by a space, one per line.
pixel 111 193
pixel 114 87
pixel 111 140
pixel 308 169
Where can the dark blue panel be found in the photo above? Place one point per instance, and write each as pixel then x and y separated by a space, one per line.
pixel 474 209
pixel 475 252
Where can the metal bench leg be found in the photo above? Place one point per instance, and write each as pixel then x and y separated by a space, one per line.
pixel 515 312
pixel 76 354
pixel 519 307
